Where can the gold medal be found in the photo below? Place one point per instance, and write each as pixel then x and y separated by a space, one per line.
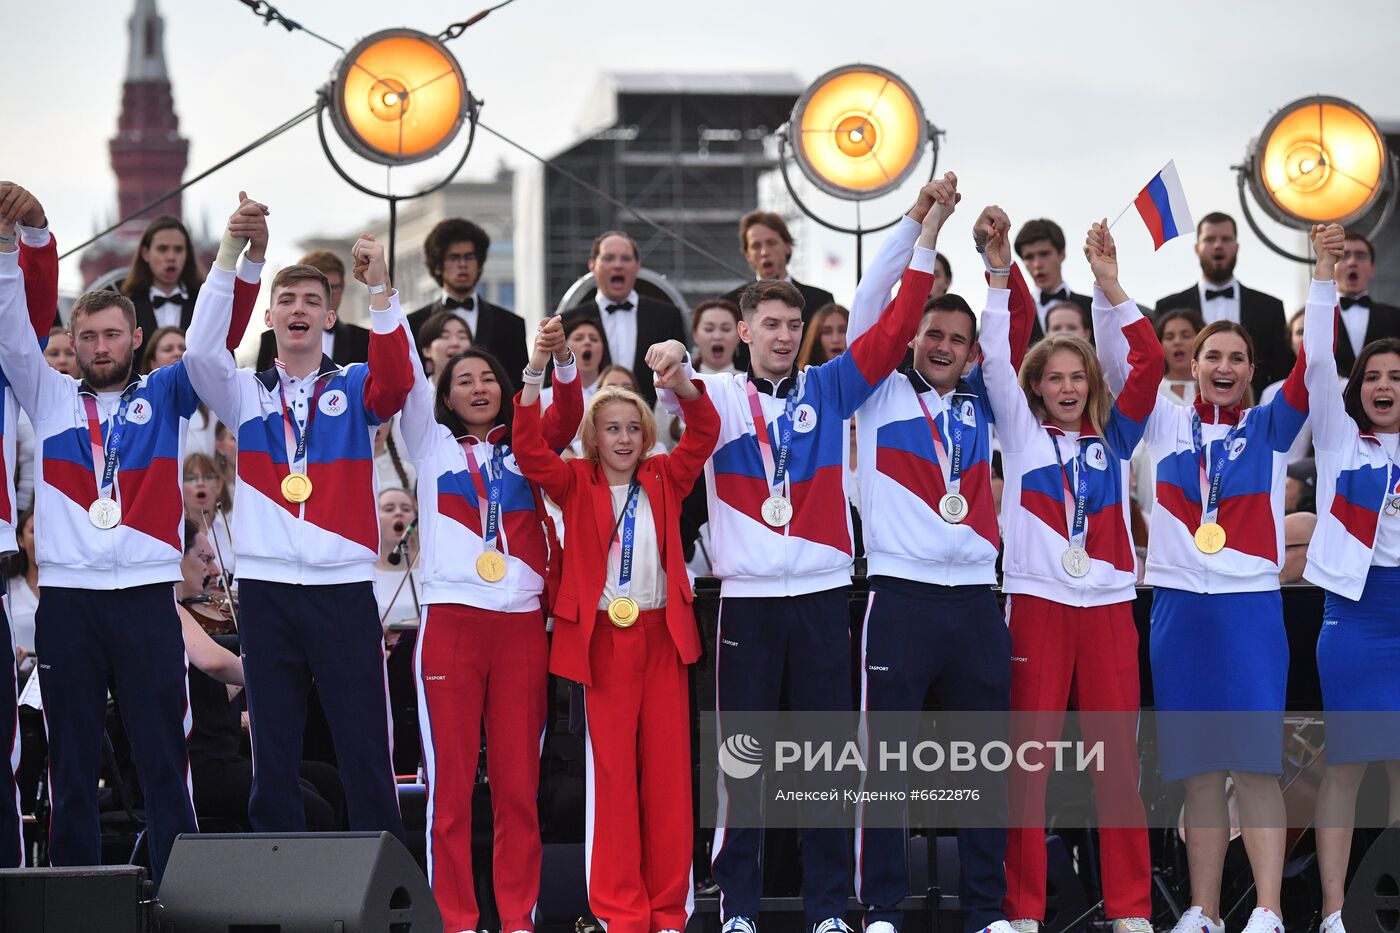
pixel 1210 538
pixel 491 566
pixel 623 611
pixel 296 487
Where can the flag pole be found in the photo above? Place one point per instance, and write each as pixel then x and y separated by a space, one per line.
pixel 1120 214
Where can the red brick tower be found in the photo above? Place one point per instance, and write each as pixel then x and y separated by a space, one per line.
pixel 148 153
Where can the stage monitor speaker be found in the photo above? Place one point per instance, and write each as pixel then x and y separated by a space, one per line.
pixel 114 899
pixel 296 883
pixel 1373 898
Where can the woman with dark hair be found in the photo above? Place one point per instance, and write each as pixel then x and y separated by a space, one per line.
pixel 1355 557
pixel 442 336
pixel 1070 571
pixel 1219 650
pixel 165 276
pixel 481 654
pixel 714 330
pixel 826 336
pixel 1176 331
pixel 165 346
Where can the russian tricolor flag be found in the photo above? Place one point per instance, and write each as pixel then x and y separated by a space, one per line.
pixel 1162 204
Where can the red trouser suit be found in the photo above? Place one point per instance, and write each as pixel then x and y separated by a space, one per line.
pixel 638 833
pixel 1090 654
pixel 475 666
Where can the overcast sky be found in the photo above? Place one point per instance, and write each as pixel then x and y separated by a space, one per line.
pixel 1060 109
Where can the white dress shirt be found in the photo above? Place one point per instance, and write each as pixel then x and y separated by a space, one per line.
pixel 648 576
pixel 1041 305
pixel 168 314
pixel 1356 320
pixel 468 316
pixel 1219 309
pixel 328 342
pixel 620 327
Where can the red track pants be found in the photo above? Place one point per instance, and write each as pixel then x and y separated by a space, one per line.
pixel 1090 654
pixel 476 666
pixel 638 833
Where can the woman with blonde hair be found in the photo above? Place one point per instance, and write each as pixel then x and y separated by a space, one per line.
pixel 209 506
pixel 1070 574
pixel 624 628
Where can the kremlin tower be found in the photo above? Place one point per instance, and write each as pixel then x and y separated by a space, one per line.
pixel 148 153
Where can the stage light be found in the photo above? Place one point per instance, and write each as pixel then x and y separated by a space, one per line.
pixel 1319 160
pixel 398 97
pixel 858 132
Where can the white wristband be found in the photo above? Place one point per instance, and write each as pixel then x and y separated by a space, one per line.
pixel 379 289
pixel 531 377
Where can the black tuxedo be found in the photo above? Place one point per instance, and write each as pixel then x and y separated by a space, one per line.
pixel 351 346
pixel 498 330
pixel 1383 322
pixel 1262 315
pixel 656 321
pixel 1084 301
pixel 146 315
pixel 812 298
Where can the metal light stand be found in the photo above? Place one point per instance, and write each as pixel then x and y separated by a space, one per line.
pixel 323 101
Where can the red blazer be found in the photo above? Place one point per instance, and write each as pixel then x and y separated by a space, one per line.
pixel 581 490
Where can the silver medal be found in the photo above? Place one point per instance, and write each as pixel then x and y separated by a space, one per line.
pixel 953 507
pixel 1075 560
pixel 777 511
pixel 105 513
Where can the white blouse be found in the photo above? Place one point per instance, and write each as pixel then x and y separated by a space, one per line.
pixel 648 575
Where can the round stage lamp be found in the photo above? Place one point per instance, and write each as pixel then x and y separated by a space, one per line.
pixel 398 97
pixel 858 132
pixel 1319 160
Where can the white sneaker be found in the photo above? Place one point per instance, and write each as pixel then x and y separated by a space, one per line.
pixel 884 926
pixel 835 925
pixel 999 926
pixel 1332 923
pixel 738 925
pixel 1264 920
pixel 1132 925
pixel 1026 926
pixel 1196 921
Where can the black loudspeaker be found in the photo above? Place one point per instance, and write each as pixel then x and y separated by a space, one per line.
pixel 297 883
pixel 114 899
pixel 1373 898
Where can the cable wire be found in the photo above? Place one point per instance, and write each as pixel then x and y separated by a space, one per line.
pixel 265 138
pixel 269 14
pixel 744 274
pixel 456 29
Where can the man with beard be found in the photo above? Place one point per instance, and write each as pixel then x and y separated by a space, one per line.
pixel 108 530
pixel 1363 320
pixel 1218 297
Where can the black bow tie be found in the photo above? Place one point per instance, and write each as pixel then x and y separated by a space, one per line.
pixel 619 306
pixel 1347 301
pixel 1061 295
pixel 161 300
pixel 449 304
pixel 1227 292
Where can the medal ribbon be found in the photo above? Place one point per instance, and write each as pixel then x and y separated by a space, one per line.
pixel 624 538
pixel 1076 494
pixel 1390 501
pixel 774 467
pixel 950 465
pixel 106 456
pixel 1211 473
pixel 298 439
pixel 488 492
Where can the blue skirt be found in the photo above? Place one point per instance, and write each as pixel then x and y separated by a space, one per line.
pixel 1358 663
pixel 1219 679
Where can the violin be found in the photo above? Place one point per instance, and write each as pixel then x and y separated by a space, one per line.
pixel 216 613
